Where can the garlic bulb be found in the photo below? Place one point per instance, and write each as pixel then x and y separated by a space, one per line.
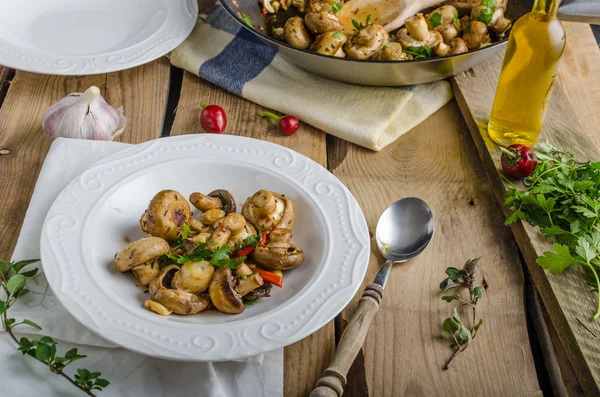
pixel 84 116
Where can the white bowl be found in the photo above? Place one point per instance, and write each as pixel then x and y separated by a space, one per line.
pixel 94 215
pixel 76 37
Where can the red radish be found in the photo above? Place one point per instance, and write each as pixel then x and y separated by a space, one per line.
pixel 213 118
pixel 518 161
pixel 288 125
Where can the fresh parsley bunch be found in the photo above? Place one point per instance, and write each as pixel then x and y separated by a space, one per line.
pixel 562 198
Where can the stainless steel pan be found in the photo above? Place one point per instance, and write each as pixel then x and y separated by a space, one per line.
pixel 396 73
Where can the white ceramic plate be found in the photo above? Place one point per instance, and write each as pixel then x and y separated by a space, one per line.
pixel 75 37
pixel 90 219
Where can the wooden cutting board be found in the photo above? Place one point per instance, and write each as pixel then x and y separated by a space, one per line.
pixel 567 298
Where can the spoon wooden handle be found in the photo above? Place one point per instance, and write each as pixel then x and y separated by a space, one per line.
pixel 333 381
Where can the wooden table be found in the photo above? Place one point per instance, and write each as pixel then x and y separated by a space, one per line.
pixel 437 161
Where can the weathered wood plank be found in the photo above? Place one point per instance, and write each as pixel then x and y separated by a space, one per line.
pixel 306 359
pixel 566 296
pixel 143 92
pixel 406 347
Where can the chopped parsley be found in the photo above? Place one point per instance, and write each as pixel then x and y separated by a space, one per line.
pixel 183 235
pixel 338 35
pixel 247 20
pixel 419 52
pixel 435 20
pixel 336 7
pixel 251 241
pixel 485 16
pixel 219 257
pixel 468 28
pixel 392 38
pixel 358 25
pixel 454 16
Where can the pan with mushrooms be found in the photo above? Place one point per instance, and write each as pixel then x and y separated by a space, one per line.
pixel 215 258
pixel 450 28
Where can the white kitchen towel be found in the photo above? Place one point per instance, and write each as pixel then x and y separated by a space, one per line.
pixel 131 374
pixel 226 54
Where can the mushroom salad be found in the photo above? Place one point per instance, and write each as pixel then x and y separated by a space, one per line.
pixel 451 28
pixel 222 259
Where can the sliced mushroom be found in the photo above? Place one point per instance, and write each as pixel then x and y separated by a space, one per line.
pixel 179 302
pixel 156 308
pixel 301 5
pixel 139 252
pixel 167 212
pixel 217 199
pixel 222 292
pixel 247 284
pixel 260 292
pixel 368 41
pixel 193 277
pixel 212 216
pixel 454 46
pixel 279 253
pixel 499 24
pixel 270 6
pixel 296 34
pixel 329 43
pixel 146 272
pixel 323 22
pixel 417 27
pixel 392 52
pixel 476 35
pixel 266 210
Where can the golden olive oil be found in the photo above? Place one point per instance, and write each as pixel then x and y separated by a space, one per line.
pixel 533 52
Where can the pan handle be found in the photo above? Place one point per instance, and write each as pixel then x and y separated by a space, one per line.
pixel 585 11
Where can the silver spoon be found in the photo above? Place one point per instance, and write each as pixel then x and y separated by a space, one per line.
pixel 404 230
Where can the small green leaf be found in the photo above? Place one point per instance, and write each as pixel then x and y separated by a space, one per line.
pixel 24 345
pixel 16 283
pixel 17 266
pixel 43 352
pixel 30 273
pixel 464 335
pixel 478 292
pixel 478 325
pixel 450 298
pixel 47 340
pixel 585 250
pixel 450 326
pixel 485 16
pixel 453 273
pixel 94 375
pixel 556 262
pixel 368 20
pixel 456 317
pixel 24 291
pixel 454 16
pixel 336 7
pixel 102 383
pixel 247 20
pixel 435 20
pixel 32 324
pixel 4 267
pixel 338 35
pixel 2 307
pixel 250 302
pixel 444 284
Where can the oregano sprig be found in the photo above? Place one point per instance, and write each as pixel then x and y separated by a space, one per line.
pixel 13 282
pixel 462 278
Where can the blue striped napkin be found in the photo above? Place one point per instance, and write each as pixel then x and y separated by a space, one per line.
pixel 226 54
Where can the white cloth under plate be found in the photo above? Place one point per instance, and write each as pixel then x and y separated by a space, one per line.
pixel 223 52
pixel 131 374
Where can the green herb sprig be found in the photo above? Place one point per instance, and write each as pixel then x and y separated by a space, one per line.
pixel 462 278
pixel 13 282
pixel 562 198
pixel 359 25
pixel 419 52
pixel 247 20
pixel 218 257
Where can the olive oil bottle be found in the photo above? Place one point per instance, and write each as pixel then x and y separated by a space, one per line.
pixel 535 45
